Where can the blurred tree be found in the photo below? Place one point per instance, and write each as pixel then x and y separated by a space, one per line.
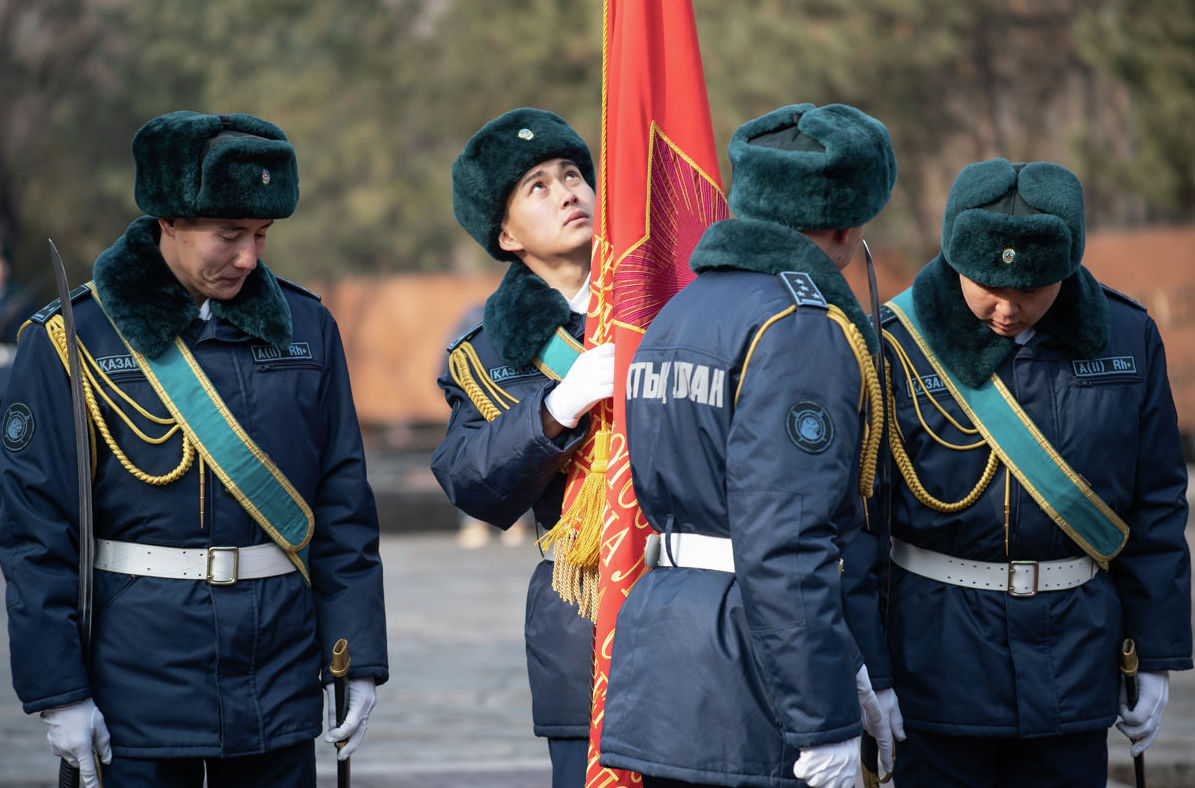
pixel 52 165
pixel 1148 48
pixel 379 96
pixel 891 58
pixel 954 83
pixel 466 69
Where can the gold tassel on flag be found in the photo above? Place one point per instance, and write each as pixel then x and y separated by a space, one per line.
pixel 577 537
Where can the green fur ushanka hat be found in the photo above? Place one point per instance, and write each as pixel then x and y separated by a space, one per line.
pixel 1014 225
pixel 218 166
pixel 812 168
pixel 497 156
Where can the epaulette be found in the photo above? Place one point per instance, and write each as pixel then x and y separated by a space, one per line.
pixel 803 290
pixel 886 315
pixel 465 336
pixel 49 310
pixel 297 288
pixel 467 371
pixel 1121 296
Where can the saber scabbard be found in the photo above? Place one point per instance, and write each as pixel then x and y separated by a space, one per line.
pixel 340 675
pixel 869 752
pixel 1128 667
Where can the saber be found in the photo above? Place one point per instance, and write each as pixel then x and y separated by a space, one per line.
pixel 874 292
pixel 340 672
pixel 869 751
pixel 68 776
pixel 1128 666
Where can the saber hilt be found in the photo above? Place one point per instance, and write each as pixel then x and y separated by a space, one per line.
pixel 340 674
pixel 1128 667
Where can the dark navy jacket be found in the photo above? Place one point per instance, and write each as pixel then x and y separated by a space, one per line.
pixel 181 668
pixel 743 421
pixel 1044 665
pixel 495 470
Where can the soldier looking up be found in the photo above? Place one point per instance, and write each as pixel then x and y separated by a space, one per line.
pixel 523 188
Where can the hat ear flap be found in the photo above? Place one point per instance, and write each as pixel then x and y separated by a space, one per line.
pixel 976 184
pixel 1055 190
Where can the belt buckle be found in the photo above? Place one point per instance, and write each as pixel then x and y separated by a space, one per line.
pixel 236 565
pixel 651 551
pixel 1012 569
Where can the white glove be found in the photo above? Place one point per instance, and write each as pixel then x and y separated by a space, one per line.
pixel 1142 722
pixel 829 765
pixel 588 381
pixel 896 720
pixel 878 719
pixel 362 696
pixel 75 730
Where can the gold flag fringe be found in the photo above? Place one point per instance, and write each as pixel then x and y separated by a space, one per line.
pixel 577 537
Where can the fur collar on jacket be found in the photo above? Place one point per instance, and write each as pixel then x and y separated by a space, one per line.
pixel 151 307
pixel 522 314
pixel 768 248
pixel 967 347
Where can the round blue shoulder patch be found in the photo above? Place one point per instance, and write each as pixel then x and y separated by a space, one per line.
pixel 18 426
pixel 809 426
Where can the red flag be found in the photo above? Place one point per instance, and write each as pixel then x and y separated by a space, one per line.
pixel 658 189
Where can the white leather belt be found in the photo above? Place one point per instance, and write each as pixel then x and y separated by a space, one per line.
pixel 691 551
pixel 220 566
pixel 1016 578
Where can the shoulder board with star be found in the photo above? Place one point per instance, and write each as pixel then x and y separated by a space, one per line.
pixel 49 310
pixel 803 290
pixel 472 332
pixel 297 288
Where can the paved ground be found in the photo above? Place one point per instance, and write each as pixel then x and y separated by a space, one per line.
pixel 457 710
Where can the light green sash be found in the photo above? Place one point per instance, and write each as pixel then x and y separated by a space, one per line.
pixel 557 355
pixel 1055 486
pixel 247 473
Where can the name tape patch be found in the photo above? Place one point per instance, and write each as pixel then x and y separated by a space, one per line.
pixel 115 365
pixel 1109 366
pixel 675 380
pixel 499 374
pixel 296 351
pixel 932 384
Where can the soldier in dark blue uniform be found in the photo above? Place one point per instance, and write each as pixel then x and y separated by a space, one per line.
pixel 1039 510
pixel 523 188
pixel 753 421
pixel 236 535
